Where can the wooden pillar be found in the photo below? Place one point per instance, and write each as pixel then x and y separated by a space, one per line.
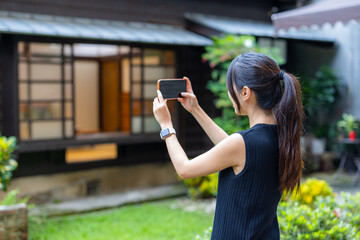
pixel 9 79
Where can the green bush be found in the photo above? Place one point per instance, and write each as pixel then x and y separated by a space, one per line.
pixel 7 161
pixel 314 213
pixel 325 219
pixel 203 187
pixel 309 191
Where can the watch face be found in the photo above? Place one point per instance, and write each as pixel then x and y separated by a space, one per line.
pixel 165 132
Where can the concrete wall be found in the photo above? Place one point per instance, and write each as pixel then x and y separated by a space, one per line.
pixel 65 186
pixel 347 63
pixel 344 58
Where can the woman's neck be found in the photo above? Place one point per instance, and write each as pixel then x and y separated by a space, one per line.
pixel 260 116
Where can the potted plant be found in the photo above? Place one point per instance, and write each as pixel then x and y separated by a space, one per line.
pixel 13 211
pixel 7 162
pixel 349 124
pixel 319 97
pixel 318 143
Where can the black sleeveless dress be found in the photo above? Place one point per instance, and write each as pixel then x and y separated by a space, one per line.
pixel 246 203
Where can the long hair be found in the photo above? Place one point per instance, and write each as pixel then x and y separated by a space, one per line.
pixel 280 93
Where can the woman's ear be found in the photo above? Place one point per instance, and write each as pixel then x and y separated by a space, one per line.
pixel 245 93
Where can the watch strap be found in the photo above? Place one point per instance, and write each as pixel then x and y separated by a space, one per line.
pixel 167 132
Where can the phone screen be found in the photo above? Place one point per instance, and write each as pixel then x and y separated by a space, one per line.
pixel 171 89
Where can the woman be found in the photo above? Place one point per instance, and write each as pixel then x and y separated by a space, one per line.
pixel 256 165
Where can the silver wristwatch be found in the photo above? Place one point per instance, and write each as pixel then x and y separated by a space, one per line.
pixel 167 132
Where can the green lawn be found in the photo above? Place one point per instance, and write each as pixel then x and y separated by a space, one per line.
pixel 153 221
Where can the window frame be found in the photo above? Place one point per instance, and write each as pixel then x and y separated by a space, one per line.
pixel 57 144
pixel 62 61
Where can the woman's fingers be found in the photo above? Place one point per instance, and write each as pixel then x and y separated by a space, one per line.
pixel 189 84
pixel 186 94
pixel 160 96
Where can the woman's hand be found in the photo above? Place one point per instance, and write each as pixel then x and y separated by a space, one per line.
pixel 189 100
pixel 161 111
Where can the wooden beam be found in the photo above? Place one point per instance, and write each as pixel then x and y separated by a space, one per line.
pixel 9 65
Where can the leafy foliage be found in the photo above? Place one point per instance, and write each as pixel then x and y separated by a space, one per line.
pixel 322 220
pixel 7 161
pixel 348 123
pixel 12 199
pixel 311 189
pixel 219 55
pixel 319 97
pixel 316 214
pixel 203 187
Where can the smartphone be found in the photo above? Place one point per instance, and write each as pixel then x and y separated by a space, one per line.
pixel 172 88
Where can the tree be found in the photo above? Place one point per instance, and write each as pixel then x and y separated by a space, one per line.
pixel 219 55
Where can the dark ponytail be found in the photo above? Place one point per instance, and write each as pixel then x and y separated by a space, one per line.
pixel 289 115
pixel 280 93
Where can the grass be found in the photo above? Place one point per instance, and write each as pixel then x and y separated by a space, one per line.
pixel 156 220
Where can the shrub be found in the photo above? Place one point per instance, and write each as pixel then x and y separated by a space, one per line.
pixel 323 219
pixel 203 187
pixel 314 213
pixel 7 161
pixel 320 220
pixel 309 191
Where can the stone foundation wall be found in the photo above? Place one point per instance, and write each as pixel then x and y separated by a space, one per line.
pixel 13 222
pixel 100 181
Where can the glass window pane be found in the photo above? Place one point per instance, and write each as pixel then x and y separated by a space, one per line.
pixel 151 125
pixel 43 91
pixel 24 130
pixel 281 44
pixel 136 91
pixel 68 72
pixel 23 111
pixel 68 91
pixel 45 48
pixel 69 128
pixel 170 72
pixel 43 71
pixel 152 56
pixel 136 60
pixel 136 56
pixel 169 57
pixel 150 91
pixel 45 110
pixel 264 42
pixel 23 91
pixel 136 73
pixel 68 110
pixel 148 108
pixel 67 50
pixel 23 71
pixel 136 124
pixel 136 108
pixel 21 48
pixel 152 74
pixel 46 130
